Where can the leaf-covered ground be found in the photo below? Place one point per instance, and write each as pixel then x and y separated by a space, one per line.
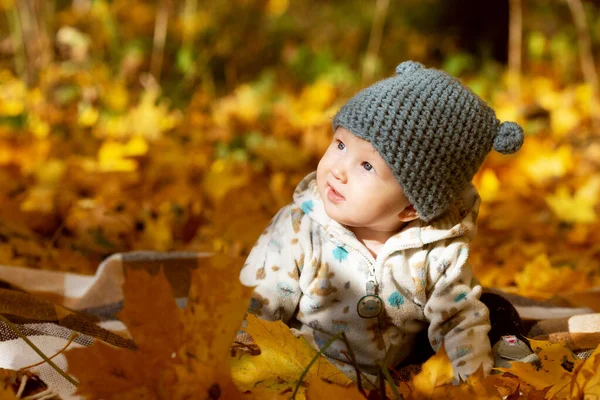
pixel 105 149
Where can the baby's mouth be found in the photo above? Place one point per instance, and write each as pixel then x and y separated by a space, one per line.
pixel 333 195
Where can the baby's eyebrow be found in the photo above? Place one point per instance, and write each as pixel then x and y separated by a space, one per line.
pixel 371 150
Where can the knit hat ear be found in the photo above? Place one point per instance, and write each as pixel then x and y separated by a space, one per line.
pixel 407 67
pixel 509 138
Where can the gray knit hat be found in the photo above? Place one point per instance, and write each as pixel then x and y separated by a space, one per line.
pixel 432 131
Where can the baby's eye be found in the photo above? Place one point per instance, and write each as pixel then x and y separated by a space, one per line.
pixel 341 145
pixel 367 166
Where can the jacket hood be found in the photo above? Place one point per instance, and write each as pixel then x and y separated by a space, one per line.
pixel 459 220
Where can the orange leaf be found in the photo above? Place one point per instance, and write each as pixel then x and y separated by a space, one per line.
pixel 156 327
pixel 555 368
pixel 152 316
pixel 475 387
pixel 217 303
pixel 178 357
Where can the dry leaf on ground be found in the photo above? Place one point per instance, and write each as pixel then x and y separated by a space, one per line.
pixel 181 354
pixel 319 389
pixel 555 368
pixel 281 362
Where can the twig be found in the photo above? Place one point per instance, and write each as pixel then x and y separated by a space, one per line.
pixel 26 34
pixel 160 35
pixel 586 57
pixel 515 36
pixel 381 8
pixel 402 379
pixel 380 377
pixel 16 34
pixel 354 363
pixel 351 360
pixel 38 351
pixel 390 380
pixel 71 338
pixel 314 359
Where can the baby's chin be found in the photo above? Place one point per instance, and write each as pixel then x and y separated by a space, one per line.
pixel 337 216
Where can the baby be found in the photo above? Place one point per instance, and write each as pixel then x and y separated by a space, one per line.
pixel 376 241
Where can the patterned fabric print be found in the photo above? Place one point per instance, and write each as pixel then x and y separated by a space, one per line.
pixel 257 302
pixel 339 325
pixel 323 285
pixel 451 320
pixel 375 335
pixel 297 215
pixel 284 289
pixel 461 351
pixel 340 254
pixel 308 206
pixel 395 299
pixel 299 264
pixel 260 273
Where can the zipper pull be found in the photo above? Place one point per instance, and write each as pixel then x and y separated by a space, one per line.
pixel 371 288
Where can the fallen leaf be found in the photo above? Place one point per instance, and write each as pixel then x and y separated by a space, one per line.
pixel 477 386
pixel 435 374
pixel 586 379
pixel 216 306
pixel 555 368
pixel 154 320
pixel 282 360
pixel 320 389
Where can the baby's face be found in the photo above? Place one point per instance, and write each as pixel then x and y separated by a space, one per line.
pixel 357 186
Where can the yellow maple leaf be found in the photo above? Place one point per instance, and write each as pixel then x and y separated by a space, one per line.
pixel 88 115
pixel 555 368
pixel 116 96
pixel 151 117
pixel 225 175
pixel 563 120
pixel 40 197
pixel 488 184
pixel 112 157
pixel 586 379
pixel 579 207
pixel 541 162
pixel 435 374
pixel 282 360
pixel 540 278
pixel 37 126
pixel 510 386
pixel 280 153
pixel 310 107
pixel 13 95
pixel 477 386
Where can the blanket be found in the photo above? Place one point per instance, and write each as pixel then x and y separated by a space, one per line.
pixel 49 306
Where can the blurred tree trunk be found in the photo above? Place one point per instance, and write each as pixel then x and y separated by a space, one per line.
pixel 515 46
pixel 36 19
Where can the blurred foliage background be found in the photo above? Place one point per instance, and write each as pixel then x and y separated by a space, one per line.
pixel 186 124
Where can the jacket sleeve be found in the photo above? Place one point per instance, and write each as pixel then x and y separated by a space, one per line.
pixel 273 269
pixel 456 316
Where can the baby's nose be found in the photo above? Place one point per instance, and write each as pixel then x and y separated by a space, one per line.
pixel 339 173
